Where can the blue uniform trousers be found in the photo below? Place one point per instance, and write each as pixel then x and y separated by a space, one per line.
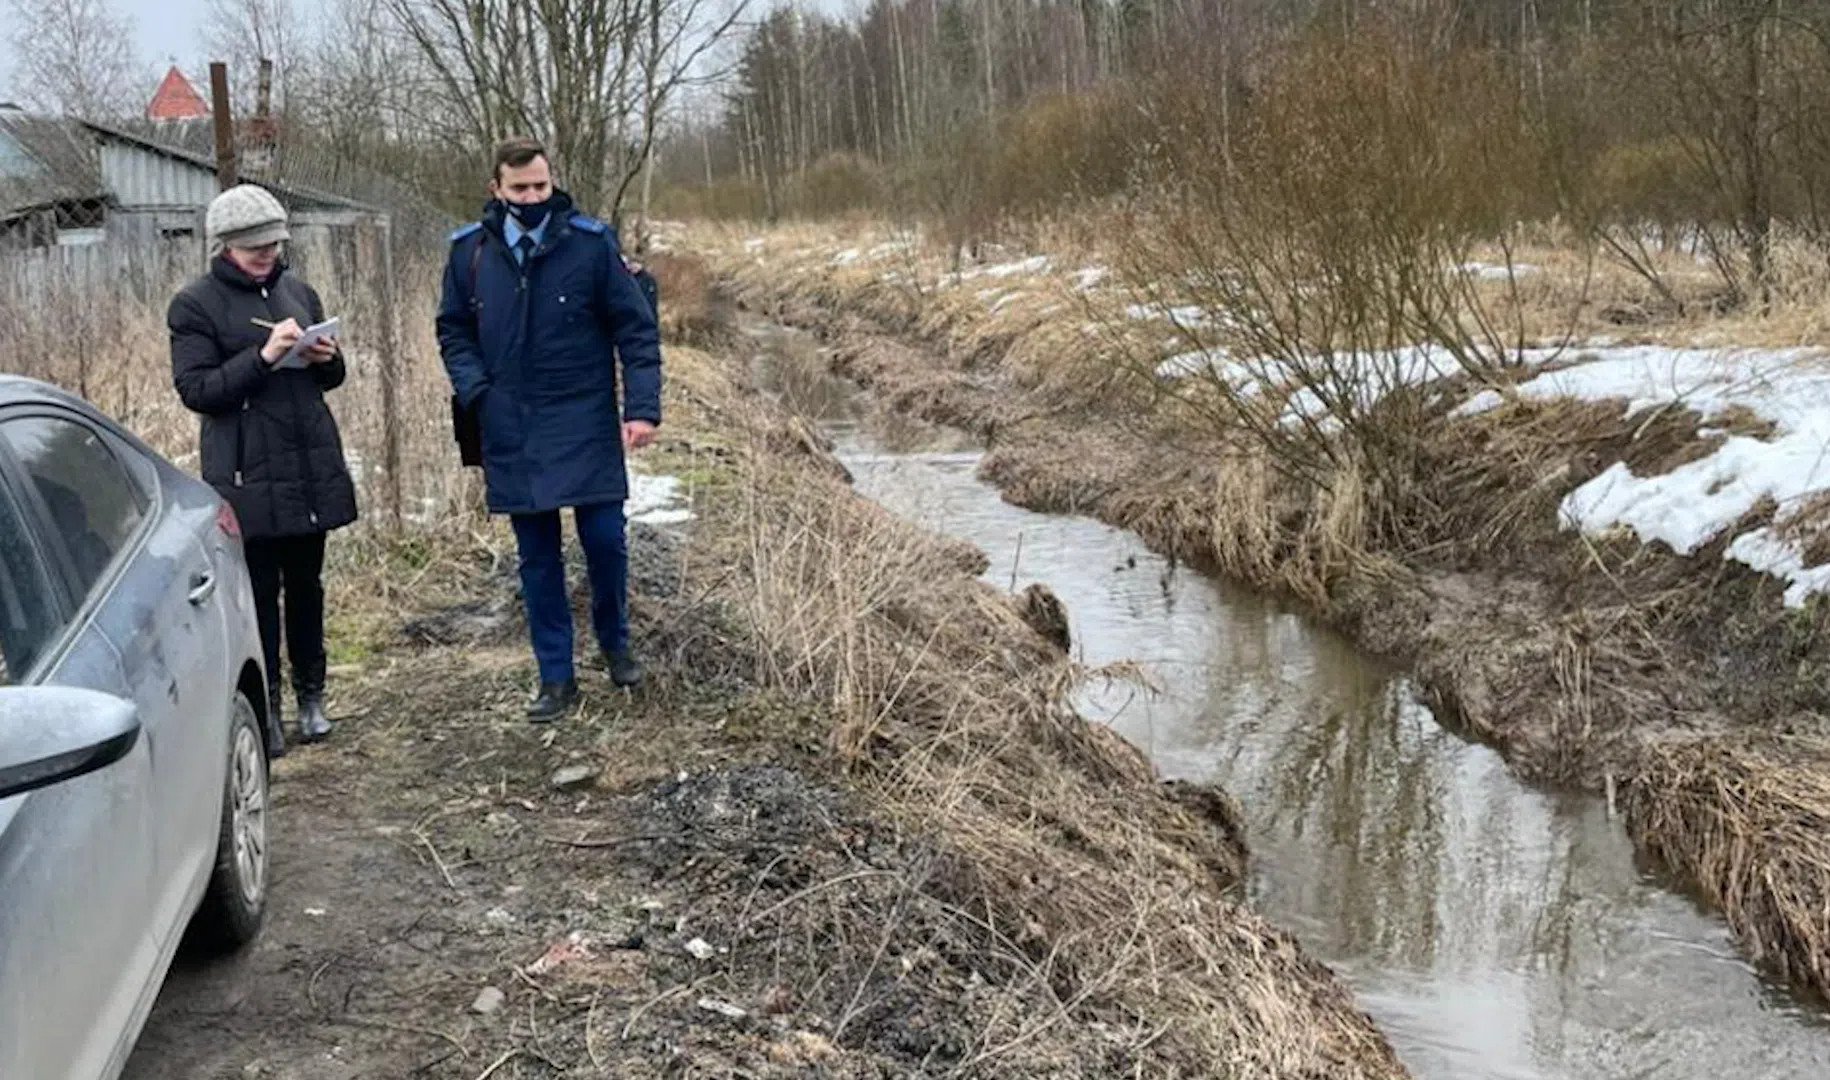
pixel 543 583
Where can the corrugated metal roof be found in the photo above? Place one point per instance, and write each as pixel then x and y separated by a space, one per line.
pixel 298 163
pixel 44 161
pixel 142 178
pixel 293 195
pixel 47 161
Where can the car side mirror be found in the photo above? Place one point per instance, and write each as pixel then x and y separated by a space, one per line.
pixel 50 734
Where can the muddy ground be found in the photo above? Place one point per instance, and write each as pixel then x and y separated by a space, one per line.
pixel 425 856
pixel 715 875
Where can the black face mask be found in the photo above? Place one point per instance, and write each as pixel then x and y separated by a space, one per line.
pixel 531 215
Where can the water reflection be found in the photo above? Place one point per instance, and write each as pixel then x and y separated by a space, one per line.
pixel 1493 930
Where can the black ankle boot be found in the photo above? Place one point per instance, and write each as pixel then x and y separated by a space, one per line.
pixel 625 669
pixel 276 735
pixel 553 701
pixel 314 726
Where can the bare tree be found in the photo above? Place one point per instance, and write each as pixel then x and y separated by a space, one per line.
pixel 589 77
pixel 682 36
pixel 76 56
pixel 241 33
pixel 362 80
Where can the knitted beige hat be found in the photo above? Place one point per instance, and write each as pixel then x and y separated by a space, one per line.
pixel 245 216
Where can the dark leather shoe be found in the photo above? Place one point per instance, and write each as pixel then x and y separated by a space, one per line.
pixel 625 669
pixel 275 734
pixel 553 701
pixel 314 726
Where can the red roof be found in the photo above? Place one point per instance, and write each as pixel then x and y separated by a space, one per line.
pixel 177 99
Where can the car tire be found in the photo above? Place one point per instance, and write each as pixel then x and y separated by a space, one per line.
pixel 235 903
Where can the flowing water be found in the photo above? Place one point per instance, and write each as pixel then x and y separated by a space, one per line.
pixel 1492 929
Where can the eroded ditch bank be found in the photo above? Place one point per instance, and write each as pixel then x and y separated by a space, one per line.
pixel 1493 930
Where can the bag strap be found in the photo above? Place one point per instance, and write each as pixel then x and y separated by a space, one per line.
pixel 476 256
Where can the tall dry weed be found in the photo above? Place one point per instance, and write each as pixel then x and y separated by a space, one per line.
pixel 1083 873
pixel 111 346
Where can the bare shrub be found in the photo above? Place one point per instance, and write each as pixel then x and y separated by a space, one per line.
pixel 1312 258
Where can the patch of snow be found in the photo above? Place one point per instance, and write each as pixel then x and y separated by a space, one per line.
pixel 847 257
pixel 1028 267
pixel 1088 278
pixel 1186 315
pixel 1498 271
pixel 1037 265
pixel 655 500
pixel 1694 503
pixel 1767 552
pixel 1006 299
pixel 1483 402
pixel 1200 362
pixel 753 245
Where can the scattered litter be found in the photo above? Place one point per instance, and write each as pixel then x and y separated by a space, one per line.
pixel 722 1008
pixel 488 1002
pixel 573 777
pixel 315 912
pixel 803 1048
pixel 701 949
pixel 499 917
pixel 578 946
pixel 778 1001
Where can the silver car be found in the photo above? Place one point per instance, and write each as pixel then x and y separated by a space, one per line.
pixel 133 767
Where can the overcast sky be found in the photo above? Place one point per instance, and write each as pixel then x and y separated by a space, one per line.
pixel 165 32
pixel 171 31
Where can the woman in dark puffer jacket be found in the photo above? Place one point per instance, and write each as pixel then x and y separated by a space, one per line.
pixel 269 443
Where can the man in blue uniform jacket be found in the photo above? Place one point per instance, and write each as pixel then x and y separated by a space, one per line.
pixel 538 307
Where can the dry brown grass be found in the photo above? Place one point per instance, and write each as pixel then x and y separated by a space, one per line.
pixel 1572 655
pixel 1749 820
pixel 113 349
pixel 1089 878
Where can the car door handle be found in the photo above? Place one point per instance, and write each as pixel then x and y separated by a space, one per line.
pixel 203 586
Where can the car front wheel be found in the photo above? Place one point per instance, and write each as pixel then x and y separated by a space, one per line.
pixel 236 901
